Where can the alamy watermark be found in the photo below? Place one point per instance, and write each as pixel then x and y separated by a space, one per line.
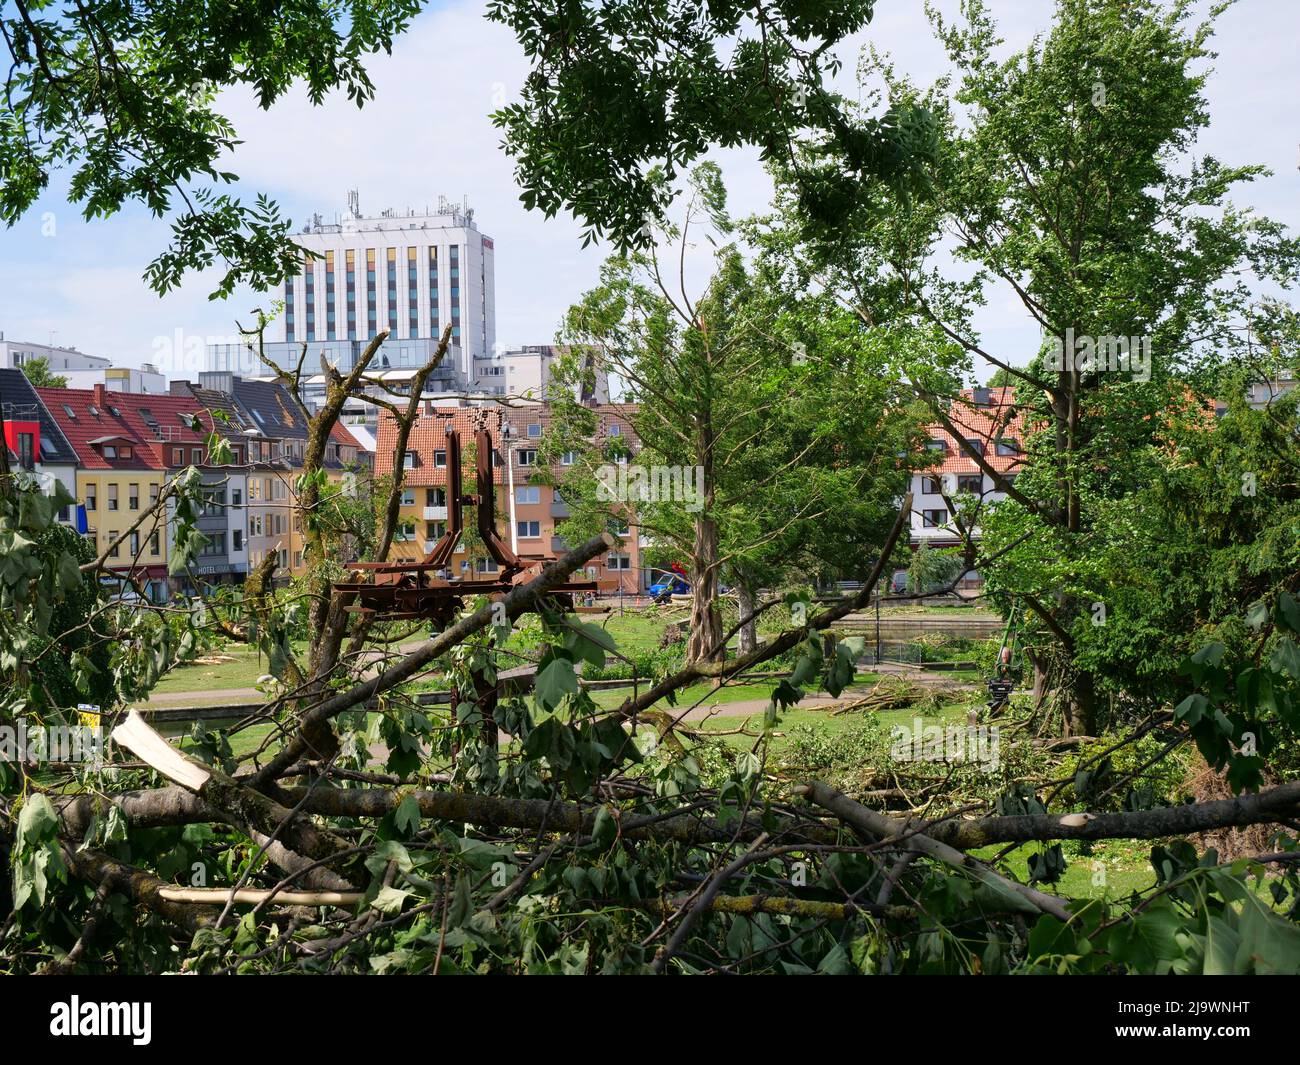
pixel 618 483
pixel 1103 354
pixel 52 743
pixel 920 742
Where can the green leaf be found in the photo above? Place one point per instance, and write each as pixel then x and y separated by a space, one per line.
pixel 1286 658
pixel 554 681
pixel 1192 709
pixel 38 821
pixel 407 815
pixel 389 900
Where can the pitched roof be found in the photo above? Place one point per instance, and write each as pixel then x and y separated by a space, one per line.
pixel 150 422
pixel 17 394
pixel 269 407
pixel 998 419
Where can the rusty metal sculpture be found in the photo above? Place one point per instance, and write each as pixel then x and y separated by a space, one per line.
pixel 420 590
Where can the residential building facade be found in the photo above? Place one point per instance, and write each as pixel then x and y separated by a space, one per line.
pixel 528 511
pixel 37 447
pixel 988 422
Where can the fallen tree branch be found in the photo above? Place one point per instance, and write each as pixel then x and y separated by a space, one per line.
pixel 261 818
pixel 913 837
pixel 142 888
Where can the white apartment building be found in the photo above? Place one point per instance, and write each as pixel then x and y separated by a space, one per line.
pixel 526 371
pixel 14 353
pixel 145 380
pixel 411 273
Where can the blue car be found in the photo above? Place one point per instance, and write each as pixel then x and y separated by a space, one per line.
pixel 668 586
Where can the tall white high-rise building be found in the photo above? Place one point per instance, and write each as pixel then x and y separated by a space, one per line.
pixel 413 274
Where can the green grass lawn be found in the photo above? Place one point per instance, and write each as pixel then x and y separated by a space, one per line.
pixel 245 665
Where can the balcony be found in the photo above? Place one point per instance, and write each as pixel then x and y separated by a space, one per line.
pixel 559 508
pixel 435 513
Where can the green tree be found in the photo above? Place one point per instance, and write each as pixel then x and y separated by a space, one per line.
pixel 37 371
pixel 1066 173
pixel 770 432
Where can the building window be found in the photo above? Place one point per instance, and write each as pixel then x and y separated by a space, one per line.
pixel 113 545
pixel 90 497
pixel 937 445
pixel 196 456
pixel 112 497
pixel 350 277
pixel 412 294
pixel 567 458
pixel 433 292
pixel 309 288
pixel 110 452
pixel 135 544
pixel 153 494
pixel 971 482
pixel 527 457
pixel 408 497
pixel 975 444
pixel 178 455
pixel 288 310
pixel 133 497
pixel 392 292
pixel 1008 446
pixel 408 460
pixel 237 539
pixel 154 545
pixel 933 519
pixel 529 530
pixel 529 494
pixel 330 316
pixel 27 450
pixel 535 432
pixel 440 459
pixel 372 311
pixel 236 497
pixel 618 562
pixel 455 291
pixel 616 430
pixel 930 486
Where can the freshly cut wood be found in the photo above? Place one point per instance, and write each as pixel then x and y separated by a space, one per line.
pixel 137 737
pixel 220 896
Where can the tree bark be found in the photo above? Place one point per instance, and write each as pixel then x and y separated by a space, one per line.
pixel 705 644
pixel 748 629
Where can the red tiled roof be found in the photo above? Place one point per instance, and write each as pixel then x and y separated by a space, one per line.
pixel 340 435
pixel 121 414
pixel 429 434
pixel 999 420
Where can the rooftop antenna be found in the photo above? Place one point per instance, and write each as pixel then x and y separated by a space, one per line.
pixel 354 202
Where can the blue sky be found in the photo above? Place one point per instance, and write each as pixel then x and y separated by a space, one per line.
pixel 427 134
